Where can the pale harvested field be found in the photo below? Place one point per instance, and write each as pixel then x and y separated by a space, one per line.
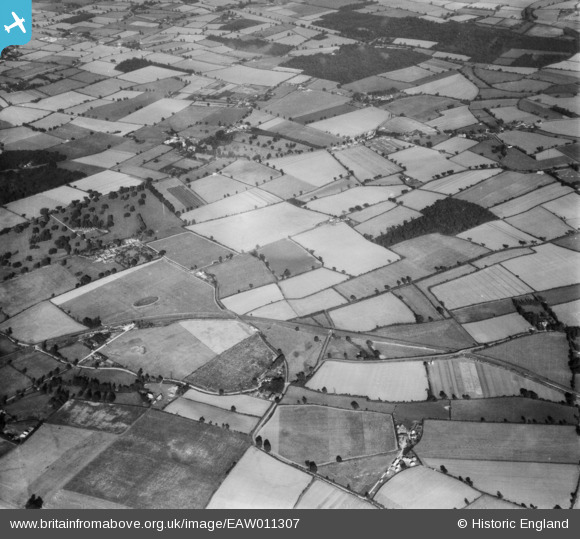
pixel 423 488
pixel 435 250
pixel 280 310
pixel 530 200
pixel 481 381
pixel 244 404
pixel 418 303
pixel 212 415
pixel 488 284
pixel 365 163
pixel 513 114
pixel 253 299
pixel 545 354
pixel 240 74
pixel 496 235
pixel 561 127
pixel 360 216
pixel 315 168
pixel 170 351
pixel 423 164
pixel 46 461
pixel 259 481
pixel 454 119
pixel 512 442
pixel 517 481
pixel 451 185
pixel 455 145
pixel 550 267
pixel 9 219
pixel 417 199
pixel 495 329
pixel 311 282
pixel 531 142
pixel 368 314
pixel 378 225
pixel 540 223
pixel 390 381
pixel 566 207
pixel 218 335
pixel 150 74
pixel 402 125
pixel 259 227
pixel 250 172
pixel 455 86
pixel 302 133
pixel 302 103
pixel 331 242
pixel 214 188
pixel 287 186
pixel 353 124
pixel 322 495
pixel 106 181
pixel 497 258
pixel 408 74
pixel 568 313
pixel 321 301
pixel 346 201
pixel 39 323
pixel 60 196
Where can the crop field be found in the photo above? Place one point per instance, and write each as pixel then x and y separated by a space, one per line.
pixel 238 368
pixel 287 187
pixel 321 301
pixel 216 334
pixel 303 133
pixel 456 118
pixel 368 314
pixel 540 223
pixel 34 363
pixel 513 442
pixel 33 407
pixel 251 199
pixel 562 294
pixel 568 313
pixel 241 273
pixel 300 348
pixel 408 74
pixel 12 381
pixel 401 125
pixel 170 351
pixel 418 303
pixel 432 251
pixel 259 227
pixel 285 255
pixel 249 172
pixel 455 86
pixel 417 199
pixel 259 481
pixel 464 376
pixel 239 74
pixel 280 310
pixel 154 461
pixel 106 181
pixel 315 168
pixel 300 103
pixel 22 292
pixel 190 250
pixel 113 418
pixel 455 145
pixel 498 258
pixel 214 188
pixel 47 460
pixel 9 219
pixel 511 114
pixel 568 128
pixel 365 163
pixel 390 381
pixel 375 226
pixel 423 488
pixel 359 474
pixel 331 241
pixel 482 311
pixel 530 143
pixel 513 409
pixel 316 433
pixel 545 354
pixel 176 292
pixel 250 300
pixel 566 207
pixel 496 235
pixel 60 196
pixel 355 123
pixel 451 185
pixel 517 481
pixel 424 164
pixel 244 404
pixel 212 415
pixel 322 495
pixel 529 200
pixel 346 201
pixel 310 283
pixel 550 267
pixel 150 74
pixel 39 323
pixel 495 329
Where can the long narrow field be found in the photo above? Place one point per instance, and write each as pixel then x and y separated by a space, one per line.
pixel 390 381
pixel 322 495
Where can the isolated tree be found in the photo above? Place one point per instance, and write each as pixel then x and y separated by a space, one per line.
pixel 267 446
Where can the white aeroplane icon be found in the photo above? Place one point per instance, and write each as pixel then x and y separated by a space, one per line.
pixel 17 22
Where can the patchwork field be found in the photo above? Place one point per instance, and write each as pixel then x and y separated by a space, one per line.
pixel 372 313
pixel 540 223
pixel 424 164
pixel 242 272
pixel 498 328
pixel 530 200
pixel 496 235
pixel 316 433
pixel 423 488
pixel 315 168
pixel 348 200
pixel 450 185
pixel 259 481
pixel 310 283
pixel 390 381
pixel 455 86
pixel 176 292
pixel 353 124
pixel 380 224
pixel 463 376
pixel 322 495
pixel 159 453
pixel 247 301
pixel 364 163
pixel 329 242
